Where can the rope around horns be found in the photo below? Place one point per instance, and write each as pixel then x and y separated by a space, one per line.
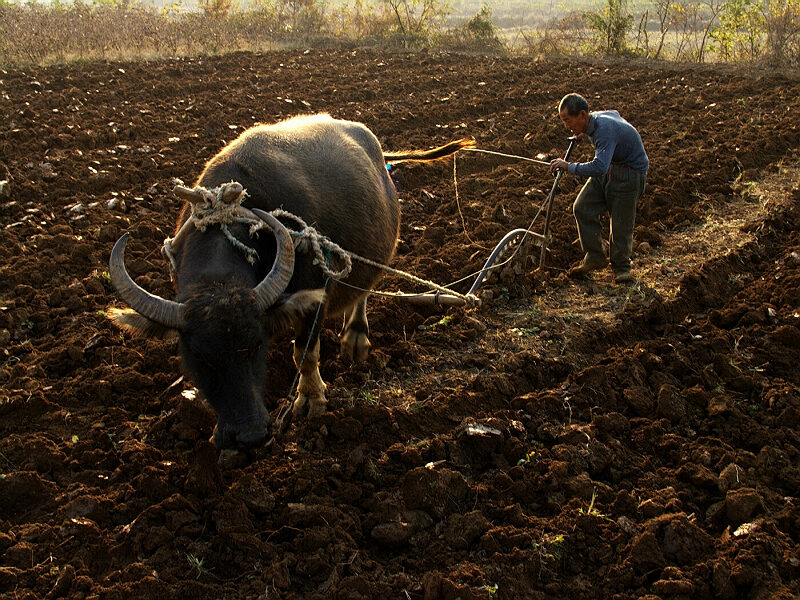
pixel 214 211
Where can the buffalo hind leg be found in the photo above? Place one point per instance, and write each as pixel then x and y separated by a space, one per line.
pixel 354 344
pixel 310 399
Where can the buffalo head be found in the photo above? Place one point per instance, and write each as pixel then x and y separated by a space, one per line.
pixel 224 327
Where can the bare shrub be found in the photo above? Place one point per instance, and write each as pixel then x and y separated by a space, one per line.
pixel 565 36
pixel 34 32
pixel 362 21
pixel 260 28
pixel 216 9
pixel 478 34
pixel 611 25
pixel 416 20
pixel 662 15
pixel 782 27
pixel 692 22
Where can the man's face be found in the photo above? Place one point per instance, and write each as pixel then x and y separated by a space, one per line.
pixel 575 123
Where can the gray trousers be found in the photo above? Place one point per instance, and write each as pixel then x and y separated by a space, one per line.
pixel 616 193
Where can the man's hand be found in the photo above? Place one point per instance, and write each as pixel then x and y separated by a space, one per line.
pixel 558 163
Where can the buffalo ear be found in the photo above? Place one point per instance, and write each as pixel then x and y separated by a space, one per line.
pixel 131 321
pixel 289 309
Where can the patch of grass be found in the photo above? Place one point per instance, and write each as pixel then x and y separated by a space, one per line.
pixel 371 469
pixel 529 458
pixel 550 546
pixel 197 565
pixel 367 397
pixel 421 444
pixel 525 332
pixel 440 324
pixel 633 290
pixel 104 277
pixel 533 311
pixel 592 509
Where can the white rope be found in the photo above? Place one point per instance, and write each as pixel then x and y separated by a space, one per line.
pixel 214 210
pixel 533 160
pixel 306 239
pixel 458 200
pixel 317 241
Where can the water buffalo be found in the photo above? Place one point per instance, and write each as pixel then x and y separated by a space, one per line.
pixel 332 174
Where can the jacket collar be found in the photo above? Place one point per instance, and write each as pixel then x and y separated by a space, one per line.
pixel 592 125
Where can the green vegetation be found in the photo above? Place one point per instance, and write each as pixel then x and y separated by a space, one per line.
pixel 368 398
pixel 529 458
pixel 481 32
pixel 197 566
pixel 592 509
pixel 58 31
pixel 550 546
pixel 611 25
pixel 443 322
pixel 526 332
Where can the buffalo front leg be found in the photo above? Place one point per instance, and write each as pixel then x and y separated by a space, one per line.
pixel 354 344
pixel 310 389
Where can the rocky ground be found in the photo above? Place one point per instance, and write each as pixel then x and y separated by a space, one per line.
pixel 566 439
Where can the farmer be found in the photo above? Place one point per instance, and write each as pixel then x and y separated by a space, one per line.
pixel 616 181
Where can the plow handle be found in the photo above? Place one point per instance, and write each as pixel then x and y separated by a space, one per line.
pixel 572 141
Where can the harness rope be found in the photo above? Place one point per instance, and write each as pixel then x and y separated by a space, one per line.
pixel 213 210
pixel 285 411
pixel 515 156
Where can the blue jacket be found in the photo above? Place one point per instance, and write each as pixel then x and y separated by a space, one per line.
pixel 615 142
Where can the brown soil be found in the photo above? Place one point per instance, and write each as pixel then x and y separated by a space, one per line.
pixel 566 440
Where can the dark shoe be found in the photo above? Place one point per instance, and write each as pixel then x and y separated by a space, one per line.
pixel 583 268
pixel 623 277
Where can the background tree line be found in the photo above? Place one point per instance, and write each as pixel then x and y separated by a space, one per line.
pixel 683 30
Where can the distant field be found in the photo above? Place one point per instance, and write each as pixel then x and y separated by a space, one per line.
pixel 505 13
pixel 520 13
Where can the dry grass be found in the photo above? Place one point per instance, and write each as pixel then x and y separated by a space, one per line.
pixel 36 34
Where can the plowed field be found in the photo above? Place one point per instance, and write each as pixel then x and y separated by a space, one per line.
pixel 564 440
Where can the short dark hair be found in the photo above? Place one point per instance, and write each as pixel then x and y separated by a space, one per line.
pixel 574 103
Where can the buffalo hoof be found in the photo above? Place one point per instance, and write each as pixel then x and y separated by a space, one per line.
pixel 354 346
pixel 309 406
pixel 226 438
pixel 251 439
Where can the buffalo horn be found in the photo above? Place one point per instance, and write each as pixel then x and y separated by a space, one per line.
pixel 232 192
pixel 276 281
pixel 155 308
pixel 193 196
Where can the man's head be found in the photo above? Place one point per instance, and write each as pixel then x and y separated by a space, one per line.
pixel 574 112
